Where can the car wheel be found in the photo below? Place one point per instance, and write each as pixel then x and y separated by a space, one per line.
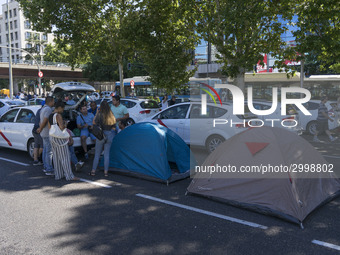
pixel 213 142
pixel 30 147
pixel 130 122
pixel 311 127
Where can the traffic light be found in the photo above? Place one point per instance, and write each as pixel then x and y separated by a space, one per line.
pixel 42 82
pixel 36 84
pixel 129 66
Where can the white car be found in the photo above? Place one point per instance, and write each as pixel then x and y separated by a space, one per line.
pixel 4 106
pixel 290 119
pixel 308 123
pixel 36 101
pixel 139 109
pixel 185 120
pixel 16 129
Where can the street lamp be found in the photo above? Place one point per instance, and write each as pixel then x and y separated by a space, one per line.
pixel 10 54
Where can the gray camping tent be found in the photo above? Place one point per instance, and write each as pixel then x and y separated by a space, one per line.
pixel 291 196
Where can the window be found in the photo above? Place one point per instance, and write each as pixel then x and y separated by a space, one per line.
pixel 0 52
pixel 0 39
pixel 149 104
pixel 212 112
pixel 10 13
pixel 28 45
pixel 6 37
pixel 36 36
pixel 16 35
pixel 127 103
pixel 176 112
pixel 26 116
pixel 28 35
pixel 2 104
pixel 6 15
pixel 37 48
pixel 15 24
pixel 11 25
pixel 15 12
pixel 18 57
pixel 44 37
pixel 12 37
pixel 10 116
pixel 6 25
pixel 17 46
pixel 27 24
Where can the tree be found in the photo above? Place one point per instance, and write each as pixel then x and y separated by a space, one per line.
pixel 56 53
pixel 241 30
pixel 317 29
pixel 165 34
pixel 90 27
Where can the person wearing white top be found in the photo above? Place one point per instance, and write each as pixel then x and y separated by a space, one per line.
pixel 165 102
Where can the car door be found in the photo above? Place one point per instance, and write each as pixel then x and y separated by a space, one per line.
pixel 22 128
pixel 7 134
pixel 174 118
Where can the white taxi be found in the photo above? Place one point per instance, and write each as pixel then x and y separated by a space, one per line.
pixel 210 130
pixel 17 123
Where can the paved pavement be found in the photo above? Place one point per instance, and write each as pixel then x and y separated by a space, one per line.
pixel 39 215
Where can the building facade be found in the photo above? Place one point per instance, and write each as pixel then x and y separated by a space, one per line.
pixel 16 28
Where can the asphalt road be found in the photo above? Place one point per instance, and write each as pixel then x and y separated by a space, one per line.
pixel 39 215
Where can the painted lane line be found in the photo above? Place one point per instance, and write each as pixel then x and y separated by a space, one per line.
pixel 328 245
pixel 95 183
pixel 327 156
pixel 15 162
pixel 224 217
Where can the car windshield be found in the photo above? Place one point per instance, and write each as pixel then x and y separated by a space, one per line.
pixel 149 104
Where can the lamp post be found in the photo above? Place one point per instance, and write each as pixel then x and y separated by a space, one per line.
pixel 10 54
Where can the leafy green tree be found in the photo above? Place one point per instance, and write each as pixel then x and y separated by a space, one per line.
pixel 241 30
pixel 56 53
pixel 317 29
pixel 90 27
pixel 165 34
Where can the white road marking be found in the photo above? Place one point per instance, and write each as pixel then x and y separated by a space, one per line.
pixel 224 217
pixel 15 162
pixel 328 245
pixel 327 156
pixel 95 183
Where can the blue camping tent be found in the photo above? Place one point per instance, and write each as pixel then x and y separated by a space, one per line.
pixel 145 150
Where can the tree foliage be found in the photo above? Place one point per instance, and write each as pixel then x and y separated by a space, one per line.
pixel 166 39
pixel 241 30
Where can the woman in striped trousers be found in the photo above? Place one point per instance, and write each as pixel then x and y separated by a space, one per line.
pixel 61 154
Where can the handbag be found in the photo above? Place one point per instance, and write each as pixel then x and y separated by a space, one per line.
pixel 97 131
pixel 56 132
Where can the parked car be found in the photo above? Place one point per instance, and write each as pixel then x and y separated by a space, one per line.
pixel 36 101
pixel 308 123
pixel 4 106
pixel 186 120
pixel 139 109
pixel 15 102
pixel 291 118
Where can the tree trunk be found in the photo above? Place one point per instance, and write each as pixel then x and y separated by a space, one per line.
pixel 121 76
pixel 239 80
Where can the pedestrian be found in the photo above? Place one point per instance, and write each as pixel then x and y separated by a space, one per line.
pixel 61 154
pixel 105 119
pixel 74 160
pixel 119 111
pixel 38 141
pixel 84 121
pixel 93 108
pixel 322 121
pixel 172 101
pixel 43 131
pixel 70 101
pixel 165 102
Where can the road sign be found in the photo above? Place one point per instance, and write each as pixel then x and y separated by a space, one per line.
pixel 40 74
pixel 132 83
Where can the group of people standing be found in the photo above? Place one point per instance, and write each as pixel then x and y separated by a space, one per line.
pixel 61 150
